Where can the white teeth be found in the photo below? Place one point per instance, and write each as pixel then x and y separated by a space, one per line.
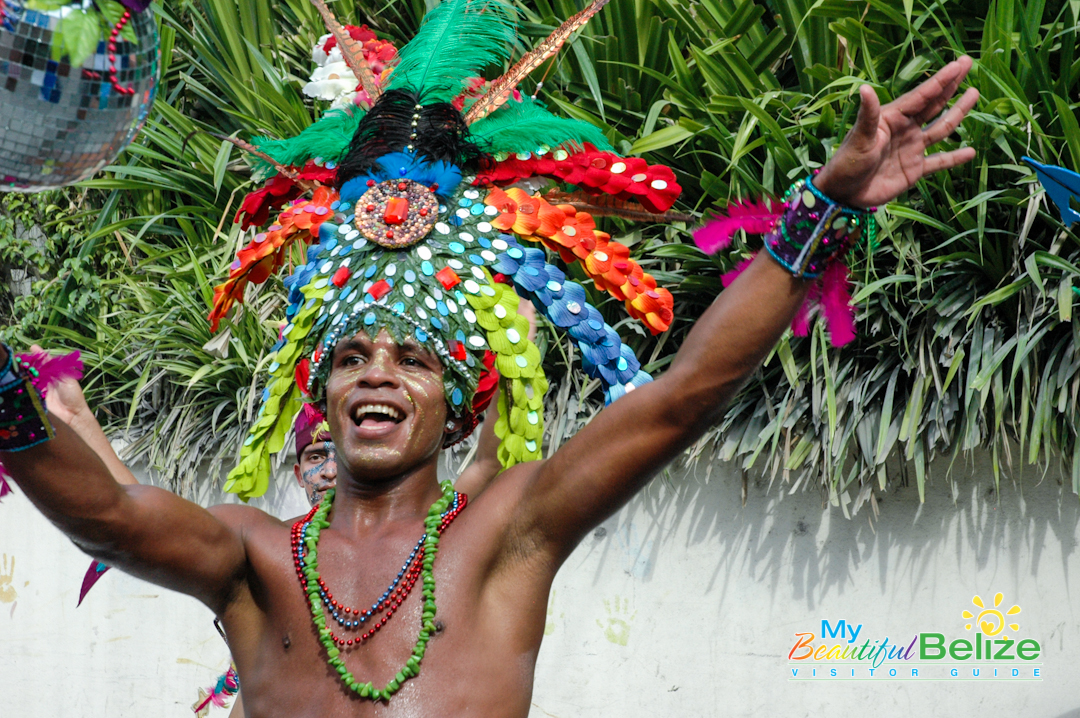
pixel 390 411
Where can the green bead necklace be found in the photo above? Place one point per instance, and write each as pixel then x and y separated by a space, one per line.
pixel 439 517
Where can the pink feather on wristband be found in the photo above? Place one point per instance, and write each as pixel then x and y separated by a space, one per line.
pixel 831 295
pixel 753 216
pixel 835 304
pixel 53 369
pixel 50 371
pixel 815 255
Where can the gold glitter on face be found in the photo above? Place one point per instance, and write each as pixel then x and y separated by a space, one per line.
pixel 408 379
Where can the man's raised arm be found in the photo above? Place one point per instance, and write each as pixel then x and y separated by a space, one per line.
pixel 146 531
pixel 597 471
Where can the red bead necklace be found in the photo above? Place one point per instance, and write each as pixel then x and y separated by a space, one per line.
pixel 392 598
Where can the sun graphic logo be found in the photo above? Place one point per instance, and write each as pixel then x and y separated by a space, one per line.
pixel 991 621
pixel 989 642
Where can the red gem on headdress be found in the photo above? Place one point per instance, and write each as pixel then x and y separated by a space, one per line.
pixel 397 210
pixel 423 211
pixel 389 234
pixel 340 277
pixel 448 277
pixel 371 183
pixel 402 186
pixel 370 208
pixel 379 289
pixel 434 186
pixel 457 350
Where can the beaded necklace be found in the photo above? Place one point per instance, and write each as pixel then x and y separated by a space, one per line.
pixel 305 544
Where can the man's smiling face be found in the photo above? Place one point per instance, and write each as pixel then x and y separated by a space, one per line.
pixel 385 405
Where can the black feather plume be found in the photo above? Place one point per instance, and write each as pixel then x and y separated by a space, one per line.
pixel 440 135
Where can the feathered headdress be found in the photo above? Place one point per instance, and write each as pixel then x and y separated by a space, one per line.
pixel 420 237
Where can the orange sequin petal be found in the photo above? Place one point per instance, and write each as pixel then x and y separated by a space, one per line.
pixel 551 218
pixel 500 200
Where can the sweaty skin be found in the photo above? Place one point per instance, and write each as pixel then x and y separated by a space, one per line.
pixel 497 560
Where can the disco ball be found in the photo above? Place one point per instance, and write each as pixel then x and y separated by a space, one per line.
pixel 60 124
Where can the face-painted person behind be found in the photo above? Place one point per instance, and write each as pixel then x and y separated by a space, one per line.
pixel 316 460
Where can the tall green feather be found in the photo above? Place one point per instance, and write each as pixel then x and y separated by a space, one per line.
pixel 458 39
pixel 328 138
pixel 524 126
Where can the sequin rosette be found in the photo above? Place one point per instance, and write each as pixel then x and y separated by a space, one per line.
pixel 396 215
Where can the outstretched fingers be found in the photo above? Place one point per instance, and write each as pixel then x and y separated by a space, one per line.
pixel 928 99
pixel 947 123
pixel 947 160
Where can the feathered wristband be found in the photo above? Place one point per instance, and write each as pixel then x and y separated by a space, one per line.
pixel 808 234
pixel 24 382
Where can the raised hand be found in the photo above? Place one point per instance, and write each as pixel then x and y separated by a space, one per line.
pixel 65 399
pixel 885 152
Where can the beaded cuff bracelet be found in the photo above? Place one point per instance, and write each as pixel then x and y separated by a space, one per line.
pixel 23 421
pixel 814 230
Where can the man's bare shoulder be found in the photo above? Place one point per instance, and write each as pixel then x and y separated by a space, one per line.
pixel 265 541
pixel 242 519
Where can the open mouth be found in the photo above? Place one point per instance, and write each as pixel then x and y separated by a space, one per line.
pixel 376 416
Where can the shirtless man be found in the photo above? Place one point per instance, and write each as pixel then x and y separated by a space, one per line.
pixel 497 560
pixel 316 464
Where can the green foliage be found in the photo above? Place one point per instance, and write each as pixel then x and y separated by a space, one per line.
pixel 967 334
pixel 39 236
pixel 79 35
pixel 967 339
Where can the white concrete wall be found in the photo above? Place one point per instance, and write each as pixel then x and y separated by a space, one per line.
pixel 685 603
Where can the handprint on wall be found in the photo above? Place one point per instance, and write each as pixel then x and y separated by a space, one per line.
pixel 7 587
pixel 549 625
pixel 617 624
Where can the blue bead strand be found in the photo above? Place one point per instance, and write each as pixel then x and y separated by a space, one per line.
pixel 363 617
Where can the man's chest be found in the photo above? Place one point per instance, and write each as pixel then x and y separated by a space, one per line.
pixel 373 610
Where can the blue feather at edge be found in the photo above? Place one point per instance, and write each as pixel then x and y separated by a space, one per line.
pixel 1061 185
